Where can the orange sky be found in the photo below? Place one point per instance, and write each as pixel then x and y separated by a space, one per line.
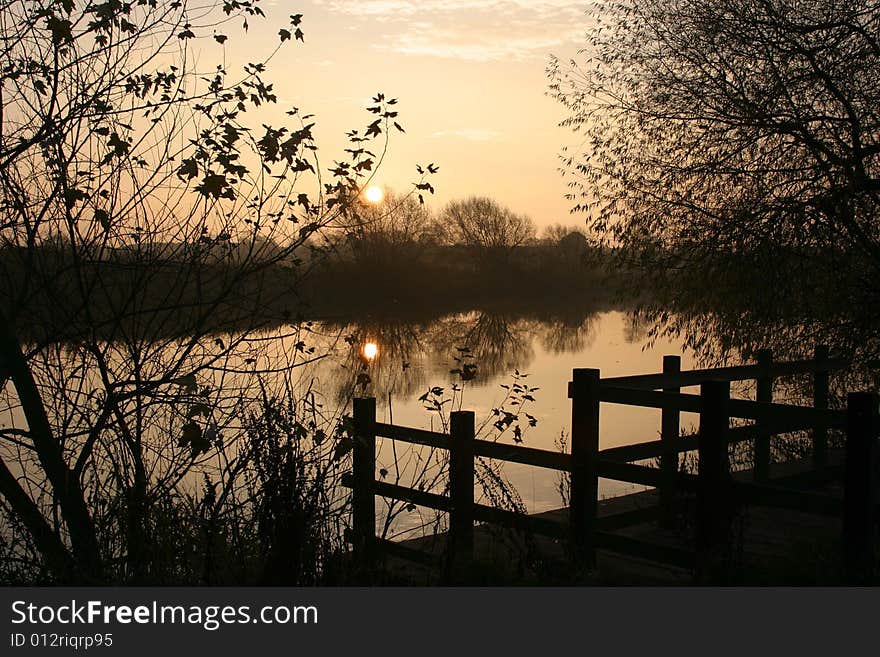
pixel 470 80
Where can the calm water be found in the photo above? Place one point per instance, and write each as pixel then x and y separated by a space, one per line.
pixel 413 358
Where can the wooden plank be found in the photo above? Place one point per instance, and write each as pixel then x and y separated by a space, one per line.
pixel 411 435
pixel 670 435
pixel 788 498
pixel 860 485
pixel 627 518
pixel 761 447
pixel 733 373
pixel 401 551
pixel 796 417
pixel 820 401
pixel 413 496
pixel 647 450
pixel 645 550
pixel 528 455
pixel 633 474
pixel 501 451
pixel 684 402
pixel 584 488
pixel 793 418
pixel 531 524
pixel 654 448
pixel 481 512
pixel 683 379
pixel 809 366
pixel 363 467
pixel 461 486
pixel 714 503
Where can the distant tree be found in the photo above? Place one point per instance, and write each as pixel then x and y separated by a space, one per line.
pixel 485 225
pixel 397 227
pixel 574 247
pixel 555 232
pixel 722 126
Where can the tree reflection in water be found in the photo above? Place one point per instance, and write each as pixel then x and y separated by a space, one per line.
pixel 415 355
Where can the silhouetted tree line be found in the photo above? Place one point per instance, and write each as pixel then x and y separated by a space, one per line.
pixel 722 128
pixel 401 251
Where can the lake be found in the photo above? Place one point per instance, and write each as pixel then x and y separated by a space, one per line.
pixel 497 352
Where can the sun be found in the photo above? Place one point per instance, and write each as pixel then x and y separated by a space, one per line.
pixel 371 351
pixel 374 194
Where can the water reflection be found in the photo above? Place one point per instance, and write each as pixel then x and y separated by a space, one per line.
pixel 407 357
pixel 731 312
pixel 495 343
pixel 561 336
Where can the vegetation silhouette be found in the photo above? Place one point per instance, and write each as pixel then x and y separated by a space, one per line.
pixel 142 218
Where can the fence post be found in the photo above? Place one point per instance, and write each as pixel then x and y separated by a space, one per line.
pixel 713 494
pixel 860 485
pixel 820 401
pixel 584 497
pixel 461 488
pixel 363 467
pixel 764 393
pixel 670 429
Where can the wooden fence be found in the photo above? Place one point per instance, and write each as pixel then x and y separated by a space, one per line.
pixel 716 491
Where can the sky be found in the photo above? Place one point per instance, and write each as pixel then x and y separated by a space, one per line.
pixel 470 79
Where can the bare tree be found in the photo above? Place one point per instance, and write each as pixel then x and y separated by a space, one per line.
pixel 485 225
pixel 728 126
pixel 399 227
pixel 555 233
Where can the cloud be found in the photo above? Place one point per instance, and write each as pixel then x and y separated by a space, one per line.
pixel 407 8
pixel 479 45
pixel 474 30
pixel 470 134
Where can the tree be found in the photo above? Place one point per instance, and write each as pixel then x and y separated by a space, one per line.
pixel 555 233
pixel 739 126
pixel 486 226
pixel 398 228
pixel 143 225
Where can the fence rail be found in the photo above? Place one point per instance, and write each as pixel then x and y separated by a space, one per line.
pixel 713 484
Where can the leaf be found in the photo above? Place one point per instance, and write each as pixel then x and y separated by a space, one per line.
pixel 284 34
pixel 374 129
pixel 103 218
pixel 188 382
pixel 199 409
pixel 119 145
pixel 214 184
pixel 193 437
pixel 220 38
pixel 60 29
pixel 343 447
pixel 73 195
pixel 188 169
